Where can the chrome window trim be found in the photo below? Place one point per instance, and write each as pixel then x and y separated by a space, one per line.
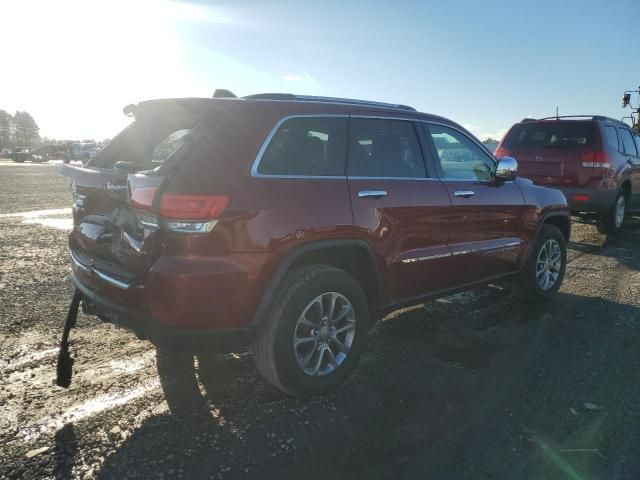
pixel 267 141
pixel 420 179
pixel 474 140
pixel 265 145
pixel 483 148
pixel 408 118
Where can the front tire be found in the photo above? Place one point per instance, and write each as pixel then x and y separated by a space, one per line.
pixel 611 221
pixel 315 332
pixel 544 271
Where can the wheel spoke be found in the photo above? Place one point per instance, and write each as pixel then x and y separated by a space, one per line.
pixel 307 357
pixel 318 364
pixel 346 310
pixel 341 346
pixel 331 358
pixel 332 305
pixel 349 326
pixel 299 341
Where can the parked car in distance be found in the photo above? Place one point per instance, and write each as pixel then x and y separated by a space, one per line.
pixel 21 154
pixel 593 160
pixel 295 222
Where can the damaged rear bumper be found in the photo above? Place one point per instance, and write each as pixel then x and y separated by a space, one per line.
pixel 165 337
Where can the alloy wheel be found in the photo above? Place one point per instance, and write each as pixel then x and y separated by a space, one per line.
pixel 324 334
pixel 549 264
pixel 621 205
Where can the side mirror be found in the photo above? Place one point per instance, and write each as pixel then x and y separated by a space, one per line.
pixel 507 169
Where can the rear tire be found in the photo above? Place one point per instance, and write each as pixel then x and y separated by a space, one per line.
pixel 330 337
pixel 544 271
pixel 611 221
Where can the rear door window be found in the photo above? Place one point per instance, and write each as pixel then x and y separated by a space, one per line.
pixel 611 137
pixel 383 148
pixel 560 133
pixel 460 158
pixel 627 142
pixel 637 139
pixel 307 146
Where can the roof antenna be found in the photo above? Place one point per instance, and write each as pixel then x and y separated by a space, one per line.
pixel 557 117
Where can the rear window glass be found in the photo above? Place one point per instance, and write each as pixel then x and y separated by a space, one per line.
pixel 310 146
pixel 627 141
pixel 384 148
pixel 561 133
pixel 148 142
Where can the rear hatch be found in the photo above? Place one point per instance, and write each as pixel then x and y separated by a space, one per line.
pixel 116 233
pixel 551 152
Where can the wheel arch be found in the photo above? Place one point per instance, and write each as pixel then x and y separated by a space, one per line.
pixel 625 187
pixel 356 257
pixel 563 222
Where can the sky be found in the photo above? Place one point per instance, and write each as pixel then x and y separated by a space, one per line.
pixel 75 64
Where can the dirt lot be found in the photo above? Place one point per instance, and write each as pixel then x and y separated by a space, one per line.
pixel 473 386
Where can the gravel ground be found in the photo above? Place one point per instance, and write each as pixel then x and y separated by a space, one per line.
pixel 473 386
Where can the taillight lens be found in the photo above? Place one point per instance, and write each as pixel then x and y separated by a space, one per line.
pixel 180 213
pixel 142 198
pixel 142 203
pixel 193 207
pixel 595 159
pixel 192 213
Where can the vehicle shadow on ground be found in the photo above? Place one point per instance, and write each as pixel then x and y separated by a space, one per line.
pixel 620 247
pixel 65 449
pixel 443 391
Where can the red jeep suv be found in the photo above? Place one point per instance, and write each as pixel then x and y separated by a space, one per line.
pixel 293 223
pixel 594 161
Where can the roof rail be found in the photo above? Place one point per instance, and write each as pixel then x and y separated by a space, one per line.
pixel 590 117
pixel 527 119
pixel 312 98
pixel 608 119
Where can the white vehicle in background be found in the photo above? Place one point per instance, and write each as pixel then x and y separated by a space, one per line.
pixel 83 151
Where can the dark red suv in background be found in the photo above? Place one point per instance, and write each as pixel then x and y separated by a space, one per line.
pixel 295 222
pixel 593 160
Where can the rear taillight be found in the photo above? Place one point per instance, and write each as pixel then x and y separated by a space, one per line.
pixel 142 203
pixel 595 159
pixel 192 213
pixel 142 198
pixel 193 207
pixel 500 152
pixel 180 213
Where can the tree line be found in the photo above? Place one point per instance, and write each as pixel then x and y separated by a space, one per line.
pixel 18 130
